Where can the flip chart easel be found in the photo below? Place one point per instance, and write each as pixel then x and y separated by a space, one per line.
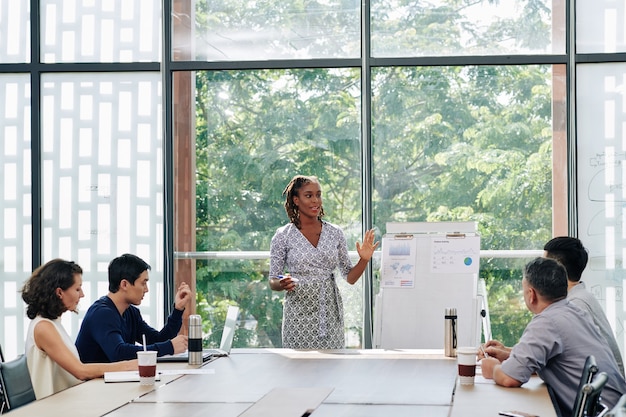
pixel 426 268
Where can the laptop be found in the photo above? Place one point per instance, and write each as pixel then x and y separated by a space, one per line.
pixel 226 342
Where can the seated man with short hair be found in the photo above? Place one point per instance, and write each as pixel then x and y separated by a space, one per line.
pixel 113 328
pixel 556 342
pixel 571 253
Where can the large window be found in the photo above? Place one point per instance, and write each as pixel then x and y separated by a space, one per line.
pixel 254 131
pixel 240 30
pixel 449 144
pixel 15 206
pixel 100 31
pixel 402 28
pixel 170 128
pixel 102 184
pixel 81 150
pixel 442 136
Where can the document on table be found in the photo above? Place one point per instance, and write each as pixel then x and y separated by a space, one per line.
pixel 133 376
pixel 191 371
pixel 479 378
pixel 125 376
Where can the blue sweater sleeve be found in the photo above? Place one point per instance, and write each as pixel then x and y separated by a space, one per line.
pixel 124 345
pixel 159 340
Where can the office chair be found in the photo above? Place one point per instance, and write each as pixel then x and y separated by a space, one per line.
pixel 2 405
pixel 620 408
pixel 17 388
pixel 589 404
pixel 589 371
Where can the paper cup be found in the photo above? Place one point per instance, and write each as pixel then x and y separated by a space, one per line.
pixel 466 360
pixel 147 366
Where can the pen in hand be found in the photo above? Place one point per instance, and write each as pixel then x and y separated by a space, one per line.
pixel 482 349
pixel 287 276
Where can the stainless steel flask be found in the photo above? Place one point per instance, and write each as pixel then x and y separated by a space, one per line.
pixel 195 340
pixel 449 342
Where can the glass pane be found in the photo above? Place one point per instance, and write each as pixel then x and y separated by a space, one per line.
pixel 14 31
pixel 240 30
pixel 466 144
pixel 403 28
pixel 100 31
pixel 508 314
pixel 102 178
pixel 255 130
pixel 15 209
pixel 600 26
pixel 601 150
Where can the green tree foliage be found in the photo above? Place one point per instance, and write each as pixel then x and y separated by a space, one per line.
pixel 448 143
pixel 460 27
pixel 256 129
pixel 468 144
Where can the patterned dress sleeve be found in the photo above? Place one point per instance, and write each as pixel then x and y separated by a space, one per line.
pixel 278 252
pixel 343 258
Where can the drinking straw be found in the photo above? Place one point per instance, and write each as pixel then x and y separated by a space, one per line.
pixel 144 342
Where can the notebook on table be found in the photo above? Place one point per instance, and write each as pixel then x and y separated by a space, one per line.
pixel 125 376
pixel 226 342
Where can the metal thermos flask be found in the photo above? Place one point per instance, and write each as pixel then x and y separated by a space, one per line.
pixel 195 340
pixel 450 332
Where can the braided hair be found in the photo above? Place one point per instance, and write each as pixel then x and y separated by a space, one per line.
pixel 292 190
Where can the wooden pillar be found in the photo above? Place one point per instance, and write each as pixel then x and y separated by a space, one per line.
pixel 560 170
pixel 184 151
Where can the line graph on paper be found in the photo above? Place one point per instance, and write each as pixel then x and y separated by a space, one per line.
pixel 455 255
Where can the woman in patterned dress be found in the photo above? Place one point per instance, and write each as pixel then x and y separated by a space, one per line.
pixel 306 253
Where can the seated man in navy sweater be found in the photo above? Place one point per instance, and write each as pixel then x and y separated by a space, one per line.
pixel 113 326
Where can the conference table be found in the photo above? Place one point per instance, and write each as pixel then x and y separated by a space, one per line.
pixel 291 383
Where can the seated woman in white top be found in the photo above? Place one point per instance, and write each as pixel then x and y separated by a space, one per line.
pixel 53 360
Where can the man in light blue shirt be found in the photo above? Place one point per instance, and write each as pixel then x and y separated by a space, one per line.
pixel 556 342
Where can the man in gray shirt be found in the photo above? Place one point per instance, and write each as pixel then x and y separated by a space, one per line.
pixel 571 253
pixel 556 342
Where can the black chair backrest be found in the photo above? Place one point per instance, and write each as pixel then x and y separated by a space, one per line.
pixel 589 371
pixel 17 387
pixel 589 404
pixel 2 401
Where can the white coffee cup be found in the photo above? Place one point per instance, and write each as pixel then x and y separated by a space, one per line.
pixel 147 360
pixel 466 360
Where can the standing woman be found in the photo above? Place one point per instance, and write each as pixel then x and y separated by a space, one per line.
pixel 52 358
pixel 307 252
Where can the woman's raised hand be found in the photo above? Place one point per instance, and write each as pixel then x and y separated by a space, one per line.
pixel 366 250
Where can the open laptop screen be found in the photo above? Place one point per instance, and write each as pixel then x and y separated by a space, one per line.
pixel 225 345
